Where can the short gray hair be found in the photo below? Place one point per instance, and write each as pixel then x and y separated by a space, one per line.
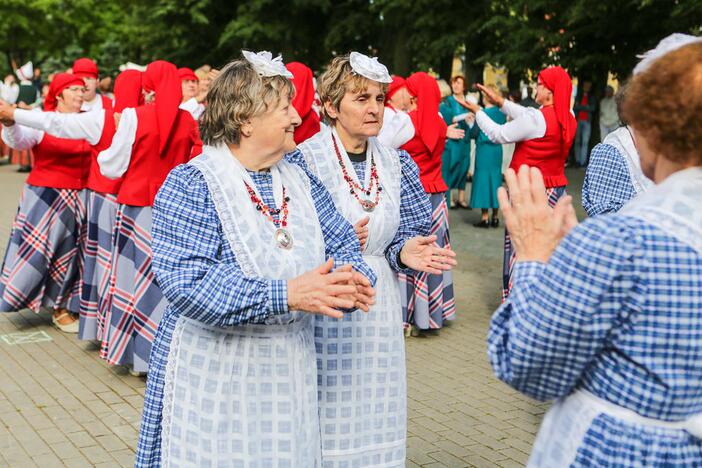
pixel 236 96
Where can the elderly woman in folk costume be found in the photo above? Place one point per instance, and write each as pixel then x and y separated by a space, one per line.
pixel 361 360
pixel 427 298
pixel 614 173
pixel 98 128
pixel 604 315
pixel 240 241
pixel 543 138
pixel 151 140
pixel 303 80
pixel 52 210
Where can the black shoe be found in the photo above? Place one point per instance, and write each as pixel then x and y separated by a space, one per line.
pixel 482 224
pixel 495 222
pixel 24 169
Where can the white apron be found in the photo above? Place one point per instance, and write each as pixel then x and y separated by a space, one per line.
pixel 246 395
pixel 674 207
pixel 361 359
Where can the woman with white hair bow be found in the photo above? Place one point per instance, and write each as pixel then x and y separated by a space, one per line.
pixel 604 316
pixel 361 359
pixel 243 247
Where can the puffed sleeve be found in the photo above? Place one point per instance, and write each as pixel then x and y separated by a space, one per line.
pixel 607 185
pixel 187 259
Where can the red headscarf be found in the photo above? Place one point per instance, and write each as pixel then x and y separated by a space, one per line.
pixel 128 90
pixel 85 68
pixel 397 84
pixel 60 82
pixel 557 80
pixel 302 102
pixel 430 126
pixel 186 73
pixel 162 77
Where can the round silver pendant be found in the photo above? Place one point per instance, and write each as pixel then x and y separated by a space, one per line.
pixel 367 206
pixel 283 239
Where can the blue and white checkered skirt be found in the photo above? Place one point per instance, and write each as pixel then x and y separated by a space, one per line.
pixel 43 261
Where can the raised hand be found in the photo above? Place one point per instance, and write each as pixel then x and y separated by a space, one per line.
pixel 421 254
pixel 361 230
pixel 490 95
pixel 455 133
pixel 534 227
pixel 321 291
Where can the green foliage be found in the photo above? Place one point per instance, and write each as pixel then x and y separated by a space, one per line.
pixel 589 37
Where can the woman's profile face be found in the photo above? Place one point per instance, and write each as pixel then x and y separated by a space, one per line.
pixel 273 131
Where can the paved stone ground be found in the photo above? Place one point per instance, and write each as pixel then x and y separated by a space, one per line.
pixel 60 405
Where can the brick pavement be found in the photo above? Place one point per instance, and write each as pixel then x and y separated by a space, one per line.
pixel 60 405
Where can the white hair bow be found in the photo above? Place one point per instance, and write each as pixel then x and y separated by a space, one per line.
pixel 667 45
pixel 265 65
pixel 369 68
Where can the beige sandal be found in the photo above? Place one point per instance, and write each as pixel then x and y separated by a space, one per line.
pixel 66 328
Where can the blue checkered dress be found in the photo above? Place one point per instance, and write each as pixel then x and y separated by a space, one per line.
pixel 607 185
pixel 616 312
pixel 201 279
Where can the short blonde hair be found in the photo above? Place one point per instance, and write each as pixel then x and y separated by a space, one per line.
pixel 236 96
pixel 339 79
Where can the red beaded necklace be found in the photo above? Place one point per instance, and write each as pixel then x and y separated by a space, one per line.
pixel 267 211
pixel 355 188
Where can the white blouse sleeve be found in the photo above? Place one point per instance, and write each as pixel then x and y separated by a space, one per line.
pixel 85 125
pixel 114 161
pixel 195 108
pixel 21 138
pixel 527 125
pixel 397 129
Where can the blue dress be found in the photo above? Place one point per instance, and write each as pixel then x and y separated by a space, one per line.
pixel 487 174
pixel 201 279
pixel 616 313
pixel 455 161
pixel 607 185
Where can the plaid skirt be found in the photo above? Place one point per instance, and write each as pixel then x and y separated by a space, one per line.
pixel 553 194
pixel 427 300
pixel 136 303
pixel 43 260
pixel 95 286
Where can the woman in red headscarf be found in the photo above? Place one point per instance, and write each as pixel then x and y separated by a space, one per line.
pixel 543 138
pixel 87 69
pixel 43 261
pixel 150 141
pixel 397 126
pixel 303 81
pixel 428 299
pixel 98 128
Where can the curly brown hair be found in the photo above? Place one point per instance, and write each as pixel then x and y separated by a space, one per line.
pixel 669 118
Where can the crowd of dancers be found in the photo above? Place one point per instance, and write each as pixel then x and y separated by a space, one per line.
pixel 259 256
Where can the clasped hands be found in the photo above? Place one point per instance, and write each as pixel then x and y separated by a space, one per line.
pixel 534 227
pixel 326 292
